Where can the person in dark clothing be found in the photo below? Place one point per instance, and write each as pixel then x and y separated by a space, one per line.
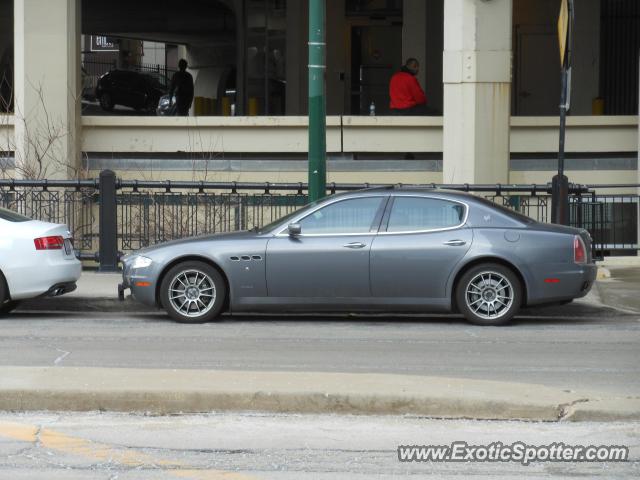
pixel 182 87
pixel 407 97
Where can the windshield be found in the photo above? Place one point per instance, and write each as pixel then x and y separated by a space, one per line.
pixel 11 216
pixel 156 81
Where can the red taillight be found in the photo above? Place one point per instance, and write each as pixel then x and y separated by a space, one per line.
pixel 49 243
pixel 579 251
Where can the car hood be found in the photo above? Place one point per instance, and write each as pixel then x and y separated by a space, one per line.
pixel 244 235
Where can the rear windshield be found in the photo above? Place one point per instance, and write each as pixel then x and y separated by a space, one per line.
pixel 11 216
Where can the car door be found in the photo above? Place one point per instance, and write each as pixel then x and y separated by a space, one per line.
pixel 330 258
pixel 420 242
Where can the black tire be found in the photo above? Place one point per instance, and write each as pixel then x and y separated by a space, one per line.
pixel 204 290
pixel 4 291
pixel 106 101
pixel 489 294
pixel 151 105
pixel 8 307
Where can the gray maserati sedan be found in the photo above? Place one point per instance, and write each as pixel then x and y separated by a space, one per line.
pixel 376 250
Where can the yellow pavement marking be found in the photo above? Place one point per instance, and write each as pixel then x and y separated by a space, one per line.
pixel 60 442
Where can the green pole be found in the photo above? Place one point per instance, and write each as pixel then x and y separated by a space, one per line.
pixel 317 101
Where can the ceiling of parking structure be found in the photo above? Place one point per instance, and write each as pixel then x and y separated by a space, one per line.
pixel 191 22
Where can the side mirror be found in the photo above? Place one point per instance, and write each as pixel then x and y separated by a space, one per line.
pixel 294 229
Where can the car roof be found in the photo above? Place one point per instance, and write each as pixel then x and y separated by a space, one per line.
pixel 413 190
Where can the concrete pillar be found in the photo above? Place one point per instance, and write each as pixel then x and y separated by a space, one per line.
pixel 47 87
pixel 477 90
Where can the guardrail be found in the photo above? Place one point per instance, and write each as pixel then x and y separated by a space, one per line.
pixel 109 216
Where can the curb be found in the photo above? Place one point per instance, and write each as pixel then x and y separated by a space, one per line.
pixel 196 391
pixel 603 273
pixel 85 304
pixel 620 262
pixel 78 304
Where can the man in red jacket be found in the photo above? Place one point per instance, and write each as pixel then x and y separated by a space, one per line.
pixel 407 97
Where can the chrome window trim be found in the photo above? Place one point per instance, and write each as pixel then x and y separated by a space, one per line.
pixel 430 230
pixel 284 232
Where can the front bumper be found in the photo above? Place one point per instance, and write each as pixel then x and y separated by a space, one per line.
pixel 140 282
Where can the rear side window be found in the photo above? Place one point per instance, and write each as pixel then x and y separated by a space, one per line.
pixel 11 216
pixel 505 211
pixel 410 214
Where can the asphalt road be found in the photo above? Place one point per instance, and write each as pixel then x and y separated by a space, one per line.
pixel 577 347
pixel 253 447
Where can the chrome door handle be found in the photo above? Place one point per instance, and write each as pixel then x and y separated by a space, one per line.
pixel 355 245
pixel 455 243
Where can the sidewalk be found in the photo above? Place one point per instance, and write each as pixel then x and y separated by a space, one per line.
pixel 96 292
pixel 196 391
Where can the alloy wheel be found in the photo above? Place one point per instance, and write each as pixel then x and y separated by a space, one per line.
pixel 489 295
pixel 192 293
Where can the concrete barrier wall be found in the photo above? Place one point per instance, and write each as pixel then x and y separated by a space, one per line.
pixel 344 134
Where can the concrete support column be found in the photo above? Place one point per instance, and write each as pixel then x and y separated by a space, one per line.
pixel 47 87
pixel 477 90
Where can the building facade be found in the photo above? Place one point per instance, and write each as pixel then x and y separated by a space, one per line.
pixel 490 69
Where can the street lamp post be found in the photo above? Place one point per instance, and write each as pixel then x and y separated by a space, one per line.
pixel 317 101
pixel 560 182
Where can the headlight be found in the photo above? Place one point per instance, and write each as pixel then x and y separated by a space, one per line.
pixel 141 262
pixel 164 101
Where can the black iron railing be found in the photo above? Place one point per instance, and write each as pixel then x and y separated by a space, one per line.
pixel 109 216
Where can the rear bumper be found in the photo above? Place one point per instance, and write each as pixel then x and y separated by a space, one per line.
pixel 44 279
pixel 568 283
pixel 60 289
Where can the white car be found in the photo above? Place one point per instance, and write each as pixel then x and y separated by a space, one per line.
pixel 36 259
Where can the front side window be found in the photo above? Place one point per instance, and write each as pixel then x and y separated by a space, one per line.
pixel 349 216
pixel 410 214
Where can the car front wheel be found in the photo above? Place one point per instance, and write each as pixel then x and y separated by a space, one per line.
pixel 8 307
pixel 489 294
pixel 193 292
pixel 106 101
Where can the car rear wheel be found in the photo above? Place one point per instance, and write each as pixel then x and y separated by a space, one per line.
pixel 489 294
pixel 106 101
pixel 193 292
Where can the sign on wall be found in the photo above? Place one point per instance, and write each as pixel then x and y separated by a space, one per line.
pixel 101 43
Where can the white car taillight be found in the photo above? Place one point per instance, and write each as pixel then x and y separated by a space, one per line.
pixel 49 243
pixel 579 250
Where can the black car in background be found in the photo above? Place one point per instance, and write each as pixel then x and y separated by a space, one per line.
pixel 140 91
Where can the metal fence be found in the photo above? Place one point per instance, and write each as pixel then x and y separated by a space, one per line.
pixel 68 202
pixel 160 72
pixel 108 215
